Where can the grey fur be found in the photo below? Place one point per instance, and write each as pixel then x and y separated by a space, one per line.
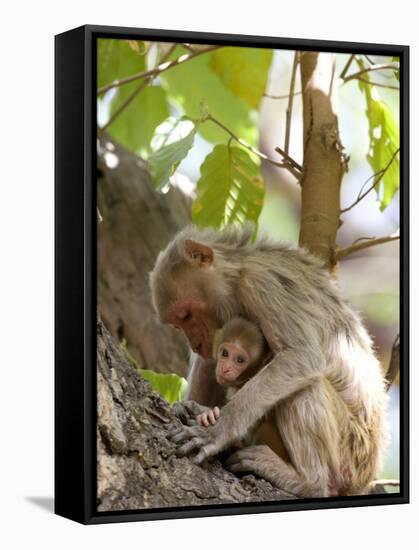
pixel 324 381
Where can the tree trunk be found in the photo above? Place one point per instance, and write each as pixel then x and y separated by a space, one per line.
pixel 137 465
pixel 324 160
pixel 137 223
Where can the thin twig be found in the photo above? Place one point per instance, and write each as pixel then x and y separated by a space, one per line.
pixel 391 482
pixel 361 246
pixel 156 71
pixel 289 159
pixel 247 145
pixel 346 67
pixel 371 69
pixel 288 114
pixel 394 366
pixel 286 96
pixel 378 84
pixel 138 90
pixel 379 175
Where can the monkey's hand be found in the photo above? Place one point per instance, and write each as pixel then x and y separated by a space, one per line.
pixel 187 411
pixel 207 441
pixel 210 416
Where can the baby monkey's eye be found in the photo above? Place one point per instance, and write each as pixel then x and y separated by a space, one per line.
pixel 240 359
pixel 224 353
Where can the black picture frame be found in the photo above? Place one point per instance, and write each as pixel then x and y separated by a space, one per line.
pixel 75 273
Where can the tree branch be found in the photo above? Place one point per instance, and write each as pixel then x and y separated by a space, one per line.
pixel 394 366
pixel 346 67
pixel 157 70
pixel 378 84
pixel 324 160
pixel 356 247
pixel 286 96
pixel 138 90
pixel 369 70
pixel 290 103
pixel 379 175
pixel 250 148
pixel 289 159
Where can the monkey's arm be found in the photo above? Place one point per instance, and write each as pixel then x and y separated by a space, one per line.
pixel 289 372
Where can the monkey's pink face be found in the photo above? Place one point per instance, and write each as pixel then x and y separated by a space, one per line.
pixel 232 361
pixel 194 318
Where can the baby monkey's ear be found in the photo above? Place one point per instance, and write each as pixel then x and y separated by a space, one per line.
pixel 199 254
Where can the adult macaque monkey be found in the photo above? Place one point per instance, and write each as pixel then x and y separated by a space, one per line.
pixel 323 384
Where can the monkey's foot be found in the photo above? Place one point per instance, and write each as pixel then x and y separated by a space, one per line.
pixel 257 459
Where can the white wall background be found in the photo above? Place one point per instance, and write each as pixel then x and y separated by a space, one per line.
pixel 26 299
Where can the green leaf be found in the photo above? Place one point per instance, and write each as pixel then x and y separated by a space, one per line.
pixel 244 71
pixel 191 83
pixel 134 126
pixel 117 59
pixel 384 143
pixel 171 143
pixel 230 189
pixel 170 386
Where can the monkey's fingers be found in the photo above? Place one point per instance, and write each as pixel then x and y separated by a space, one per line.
pixel 202 419
pixel 190 446
pixel 216 413
pixel 211 417
pixel 179 435
pixel 207 451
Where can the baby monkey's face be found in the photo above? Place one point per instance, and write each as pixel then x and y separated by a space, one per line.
pixel 232 361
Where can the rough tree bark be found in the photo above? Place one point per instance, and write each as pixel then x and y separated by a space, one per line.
pixel 137 465
pixel 137 224
pixel 324 161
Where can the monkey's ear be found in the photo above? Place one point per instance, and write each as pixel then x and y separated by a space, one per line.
pixel 200 254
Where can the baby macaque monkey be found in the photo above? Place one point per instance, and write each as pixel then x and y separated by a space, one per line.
pixel 240 351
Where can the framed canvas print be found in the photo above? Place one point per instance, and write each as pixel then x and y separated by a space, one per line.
pixel 231 274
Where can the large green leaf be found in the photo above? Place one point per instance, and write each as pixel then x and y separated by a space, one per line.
pixel 170 386
pixel 134 126
pixel 171 143
pixel 230 189
pixel 244 71
pixel 117 59
pixel 191 83
pixel 384 143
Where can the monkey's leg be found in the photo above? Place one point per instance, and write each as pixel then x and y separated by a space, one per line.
pixel 309 426
pixel 262 461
